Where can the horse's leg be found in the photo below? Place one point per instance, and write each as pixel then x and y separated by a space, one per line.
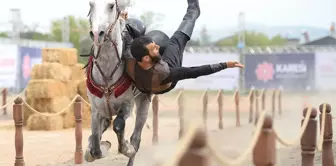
pixel 142 103
pixel 99 125
pixel 119 128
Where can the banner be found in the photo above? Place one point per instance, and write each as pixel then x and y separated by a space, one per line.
pixel 295 71
pixel 325 70
pixel 226 79
pixel 8 65
pixel 29 56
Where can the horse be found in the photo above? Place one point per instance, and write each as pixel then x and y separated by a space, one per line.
pixel 109 89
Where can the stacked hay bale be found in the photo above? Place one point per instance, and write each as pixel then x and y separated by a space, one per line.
pixel 54 83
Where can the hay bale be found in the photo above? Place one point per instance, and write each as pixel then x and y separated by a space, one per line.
pixel 51 105
pixel 72 88
pixel 69 120
pixel 26 111
pixel 54 71
pixel 46 88
pixel 40 122
pixel 86 116
pixel 64 56
pixel 77 72
pixel 82 90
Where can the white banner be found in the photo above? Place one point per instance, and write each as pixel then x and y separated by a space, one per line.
pixel 227 79
pixel 325 75
pixel 8 65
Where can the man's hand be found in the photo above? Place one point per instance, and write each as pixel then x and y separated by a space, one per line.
pixel 232 64
pixel 124 15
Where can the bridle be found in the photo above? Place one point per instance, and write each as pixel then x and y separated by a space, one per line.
pixel 107 37
pixel 106 89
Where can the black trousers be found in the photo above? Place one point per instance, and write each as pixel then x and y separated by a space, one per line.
pixel 173 53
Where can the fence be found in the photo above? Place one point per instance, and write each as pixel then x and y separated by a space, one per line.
pixel 193 140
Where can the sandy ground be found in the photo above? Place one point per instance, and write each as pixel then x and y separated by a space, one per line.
pixel 56 148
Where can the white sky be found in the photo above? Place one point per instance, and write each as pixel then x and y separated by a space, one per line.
pixel 215 13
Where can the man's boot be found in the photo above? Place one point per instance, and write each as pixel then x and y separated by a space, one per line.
pixel 189 19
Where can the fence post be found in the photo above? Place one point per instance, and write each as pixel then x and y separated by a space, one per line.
pixel 279 101
pixel 236 98
pixel 308 139
pixel 264 152
pixel 257 100
pixel 205 99
pixel 220 109
pixel 4 100
pixel 327 151
pixel 251 98
pixel 181 113
pixel 195 155
pixel 155 107
pixel 18 121
pixel 273 102
pixel 263 98
pixel 78 130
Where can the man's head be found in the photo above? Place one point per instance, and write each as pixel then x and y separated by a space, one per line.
pixel 145 50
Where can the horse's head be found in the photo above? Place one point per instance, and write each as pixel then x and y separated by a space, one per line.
pixel 104 17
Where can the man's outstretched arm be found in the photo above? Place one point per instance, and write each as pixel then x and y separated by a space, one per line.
pixel 181 73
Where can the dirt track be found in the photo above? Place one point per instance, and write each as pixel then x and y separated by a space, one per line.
pixel 56 148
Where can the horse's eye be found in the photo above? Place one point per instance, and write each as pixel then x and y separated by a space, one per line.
pixel 111 6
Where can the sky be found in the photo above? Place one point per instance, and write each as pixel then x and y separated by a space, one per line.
pixel 215 13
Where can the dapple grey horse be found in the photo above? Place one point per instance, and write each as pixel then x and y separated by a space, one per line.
pixel 110 90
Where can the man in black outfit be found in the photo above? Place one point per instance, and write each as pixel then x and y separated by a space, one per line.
pixel 154 74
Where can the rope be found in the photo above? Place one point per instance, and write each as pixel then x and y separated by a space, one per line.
pixel 65 109
pixel 303 128
pixel 260 94
pixel 12 99
pixel 174 102
pixel 243 156
pixel 213 102
pixel 319 146
pixel 186 140
pixel 183 144
pixel 50 114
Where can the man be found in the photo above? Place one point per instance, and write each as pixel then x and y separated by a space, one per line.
pixel 155 75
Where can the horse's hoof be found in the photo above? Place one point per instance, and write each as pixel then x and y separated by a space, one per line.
pixel 128 150
pixel 96 153
pixel 104 147
pixel 88 157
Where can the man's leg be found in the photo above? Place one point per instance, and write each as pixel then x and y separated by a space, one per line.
pixel 173 54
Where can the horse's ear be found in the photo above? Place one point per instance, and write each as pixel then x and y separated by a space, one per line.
pixel 123 4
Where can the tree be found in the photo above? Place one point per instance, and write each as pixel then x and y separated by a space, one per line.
pixel 151 19
pixel 79 27
pixel 34 35
pixel 79 31
pixel 204 36
pixel 252 39
pixel 4 34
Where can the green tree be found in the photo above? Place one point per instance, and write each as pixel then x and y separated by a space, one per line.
pixel 78 27
pixel 152 20
pixel 252 39
pixel 4 34
pixel 79 30
pixel 34 35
